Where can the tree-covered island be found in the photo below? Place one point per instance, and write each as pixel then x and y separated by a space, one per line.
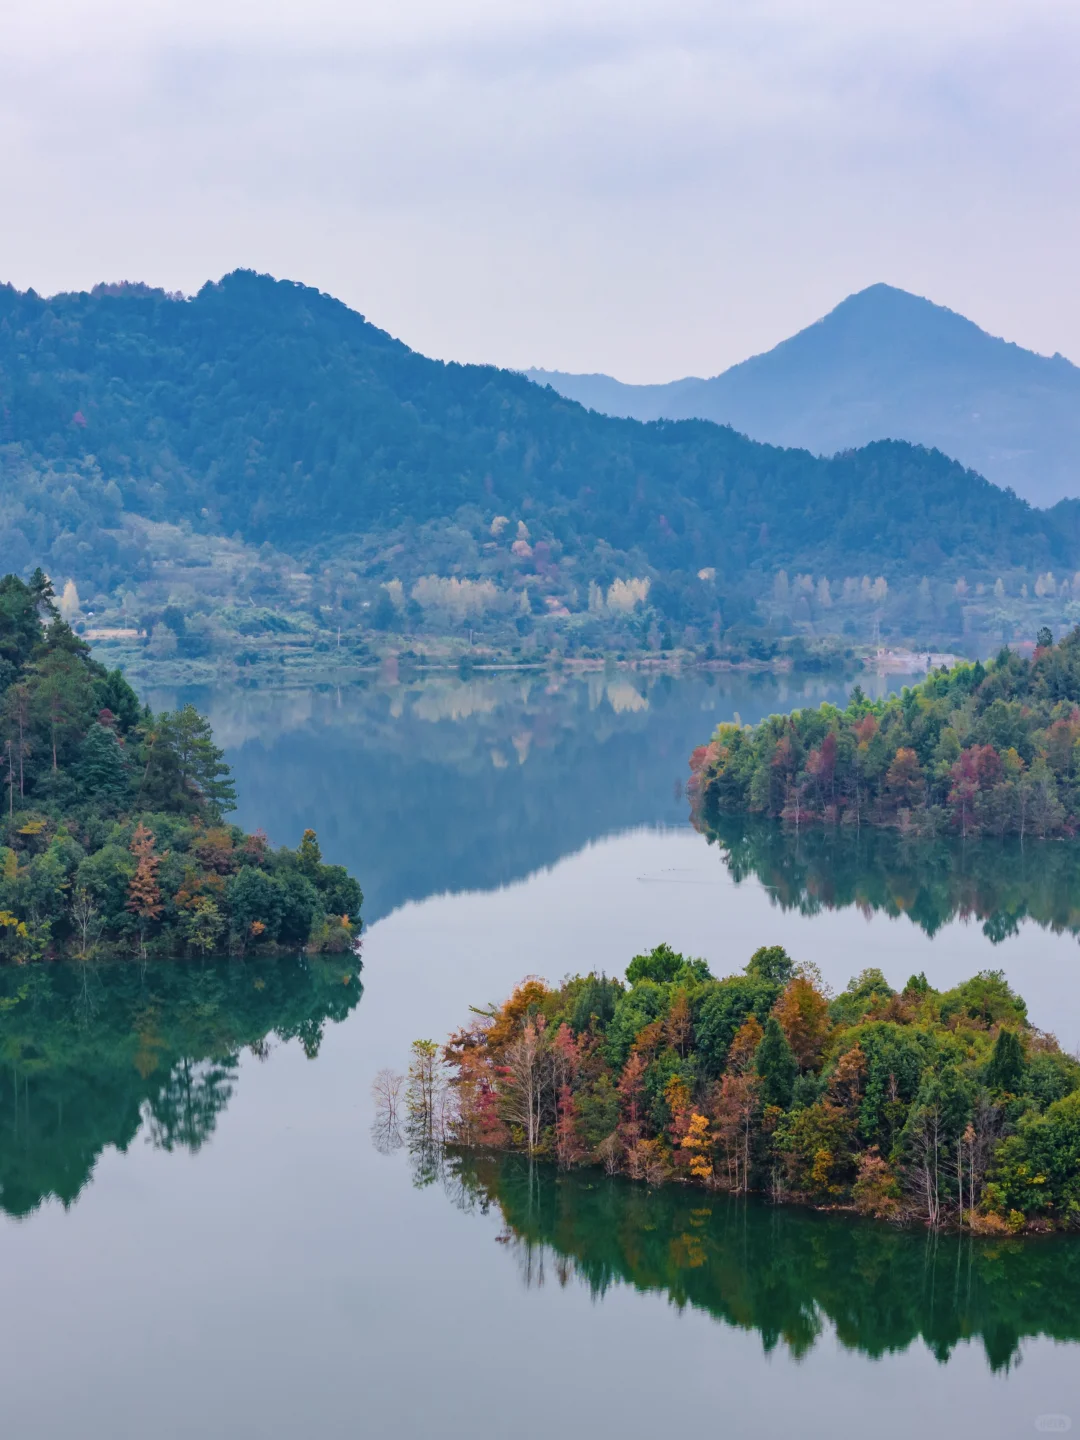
pixel 991 749
pixel 112 839
pixel 945 1106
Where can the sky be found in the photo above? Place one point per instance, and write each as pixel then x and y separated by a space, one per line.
pixel 649 188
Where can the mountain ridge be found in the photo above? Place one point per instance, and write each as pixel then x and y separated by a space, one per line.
pixel 266 411
pixel 884 364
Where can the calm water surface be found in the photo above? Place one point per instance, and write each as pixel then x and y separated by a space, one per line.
pixel 200 1238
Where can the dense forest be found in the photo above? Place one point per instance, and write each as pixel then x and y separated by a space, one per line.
pixel 268 412
pixel 93 1055
pixel 948 1106
pixel 979 748
pixel 112 837
pixel 791 1275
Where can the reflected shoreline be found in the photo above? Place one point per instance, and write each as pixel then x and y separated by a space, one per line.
pixel 793 1275
pixel 93 1055
pixel 1000 883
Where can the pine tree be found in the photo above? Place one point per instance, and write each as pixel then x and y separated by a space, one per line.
pixel 100 769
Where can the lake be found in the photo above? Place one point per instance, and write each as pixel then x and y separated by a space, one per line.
pixel 200 1236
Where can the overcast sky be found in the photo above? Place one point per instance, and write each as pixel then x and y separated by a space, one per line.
pixel 651 188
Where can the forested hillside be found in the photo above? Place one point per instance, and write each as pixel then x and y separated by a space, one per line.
pixel 112 833
pixel 268 412
pixel 992 749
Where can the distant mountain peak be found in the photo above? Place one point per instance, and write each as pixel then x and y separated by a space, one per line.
pixel 885 364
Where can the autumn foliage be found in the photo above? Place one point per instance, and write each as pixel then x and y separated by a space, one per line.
pixel 992 749
pixel 896 1104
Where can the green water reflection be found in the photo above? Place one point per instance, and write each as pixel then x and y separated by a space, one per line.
pixel 1000 882
pixel 91 1055
pixel 789 1274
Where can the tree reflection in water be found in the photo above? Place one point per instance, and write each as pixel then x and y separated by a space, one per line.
pixel 789 1274
pixel 997 882
pixel 89 1055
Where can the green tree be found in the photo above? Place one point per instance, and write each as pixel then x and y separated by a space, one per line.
pixel 101 770
pixel 772 964
pixel 184 769
pixel 256 904
pixel 775 1063
pixel 660 964
pixel 1005 1069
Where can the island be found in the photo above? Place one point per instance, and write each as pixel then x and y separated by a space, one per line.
pixel 113 841
pixel 992 749
pixel 946 1107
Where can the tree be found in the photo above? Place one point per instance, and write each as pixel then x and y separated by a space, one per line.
pixel 776 1065
pixel 309 856
pixel 144 893
pixel 679 1028
pixel 570 1147
pixel 631 1088
pixel 423 1092
pixel 20 627
pixel 61 696
pixel 184 769
pixel 1005 1069
pixel 661 964
pixel 17 716
pixel 803 1014
pixel 771 963
pixel 101 769
pixel 698 1142
pixel 41 588
pixel 255 899
pixel 86 919
pixel 204 925
pixel 904 780
pixel 524 1081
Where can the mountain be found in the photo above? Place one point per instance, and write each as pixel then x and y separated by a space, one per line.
pixel 270 413
pixel 884 364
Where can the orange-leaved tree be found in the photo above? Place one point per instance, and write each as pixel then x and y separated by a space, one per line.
pixel 144 893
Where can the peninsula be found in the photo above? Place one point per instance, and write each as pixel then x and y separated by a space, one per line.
pixel 113 840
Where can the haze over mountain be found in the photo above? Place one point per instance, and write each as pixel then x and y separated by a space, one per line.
pixel 884 365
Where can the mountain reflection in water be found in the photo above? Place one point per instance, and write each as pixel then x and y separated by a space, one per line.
pixel 90 1055
pixel 437 784
pixel 999 882
pixel 792 1275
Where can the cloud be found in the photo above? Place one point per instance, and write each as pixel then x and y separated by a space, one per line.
pixel 651 188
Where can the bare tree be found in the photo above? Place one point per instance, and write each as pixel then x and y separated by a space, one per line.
pixel 386 1090
pixel 526 1082
pixel 424 1090
pixel 87 922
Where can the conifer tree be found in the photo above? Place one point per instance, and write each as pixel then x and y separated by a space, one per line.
pixel 776 1065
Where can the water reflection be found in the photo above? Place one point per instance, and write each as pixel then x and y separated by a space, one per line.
pixel 790 1275
pixel 442 784
pixel 91 1055
pixel 998 882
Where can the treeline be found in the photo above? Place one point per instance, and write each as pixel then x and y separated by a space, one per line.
pixel 947 1106
pixel 112 837
pixel 979 748
pixel 92 1055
